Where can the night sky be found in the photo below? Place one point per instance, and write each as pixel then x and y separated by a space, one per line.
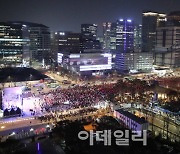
pixel 69 14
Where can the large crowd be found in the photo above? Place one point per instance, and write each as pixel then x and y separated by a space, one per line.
pixel 67 115
pixel 76 97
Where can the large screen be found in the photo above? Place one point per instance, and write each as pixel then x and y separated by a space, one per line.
pixel 87 62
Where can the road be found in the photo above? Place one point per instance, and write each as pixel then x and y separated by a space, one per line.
pixel 22 125
pixel 82 82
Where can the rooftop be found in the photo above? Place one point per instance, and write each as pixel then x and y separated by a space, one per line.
pixel 20 23
pixel 19 74
pixel 132 116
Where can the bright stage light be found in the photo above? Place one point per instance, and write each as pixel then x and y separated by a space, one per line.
pixel 2 127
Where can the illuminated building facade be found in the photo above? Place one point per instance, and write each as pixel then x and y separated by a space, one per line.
pixel 106 35
pixel 137 38
pixel 14 44
pixel 39 41
pixel 109 36
pixel 167 51
pixel 89 31
pixel 89 37
pixel 23 42
pixel 150 21
pixel 131 121
pixel 67 42
pixel 86 63
pixel 101 41
pixel 124 44
pixel 133 61
pixel 124 35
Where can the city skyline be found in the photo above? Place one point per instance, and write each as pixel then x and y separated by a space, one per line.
pixel 90 76
pixel 60 15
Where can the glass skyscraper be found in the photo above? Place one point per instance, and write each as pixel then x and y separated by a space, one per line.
pixel 124 35
pixel 22 42
pixel 14 43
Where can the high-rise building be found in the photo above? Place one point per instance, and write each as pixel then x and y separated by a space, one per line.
pixel 66 42
pixel 24 42
pixel 173 19
pixel 89 31
pixel 113 37
pixel 137 38
pixel 167 50
pixel 89 37
pixel 39 41
pixel 127 58
pixel 106 35
pixel 101 41
pixel 124 35
pixel 150 21
pixel 134 61
pixel 109 36
pixel 14 43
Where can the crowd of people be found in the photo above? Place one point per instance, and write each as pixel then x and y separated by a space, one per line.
pixel 54 115
pixel 76 97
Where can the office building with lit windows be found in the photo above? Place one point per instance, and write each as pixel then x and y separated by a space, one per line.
pixel 131 121
pixel 124 46
pixel 66 42
pixel 39 41
pixel 14 44
pixel 128 62
pixel 109 36
pixel 89 31
pixel 106 35
pixel 138 38
pixel 167 49
pixel 24 42
pixel 150 22
pixel 124 35
pixel 89 37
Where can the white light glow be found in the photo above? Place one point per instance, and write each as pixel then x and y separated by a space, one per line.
pixel 5 39
pixel 74 56
pixel 2 127
pixel 31 129
pixel 61 33
pixel 95 67
pixel 107 55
